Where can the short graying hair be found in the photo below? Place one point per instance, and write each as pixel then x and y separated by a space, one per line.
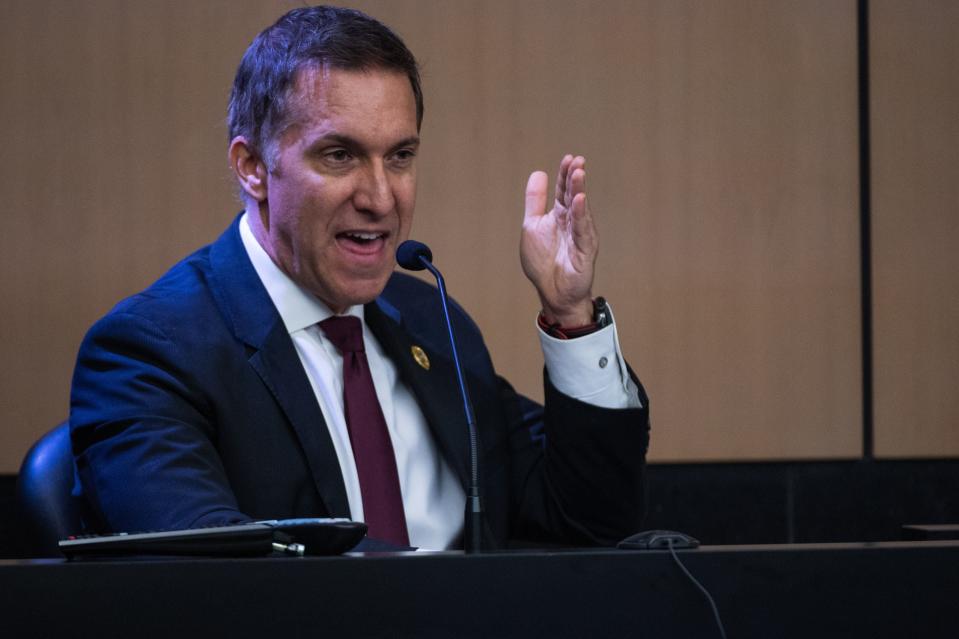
pixel 309 37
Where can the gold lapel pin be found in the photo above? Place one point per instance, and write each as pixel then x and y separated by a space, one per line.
pixel 420 356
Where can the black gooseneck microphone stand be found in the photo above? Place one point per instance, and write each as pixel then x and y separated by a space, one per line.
pixel 416 256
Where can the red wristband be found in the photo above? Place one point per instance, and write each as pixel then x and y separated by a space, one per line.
pixel 557 331
pixel 602 319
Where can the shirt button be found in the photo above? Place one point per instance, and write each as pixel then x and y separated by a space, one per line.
pixel 602 362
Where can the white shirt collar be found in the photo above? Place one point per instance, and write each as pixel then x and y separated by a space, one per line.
pixel 298 308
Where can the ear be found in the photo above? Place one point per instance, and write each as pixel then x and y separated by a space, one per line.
pixel 249 169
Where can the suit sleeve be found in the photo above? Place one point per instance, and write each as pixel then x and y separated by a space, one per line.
pixel 567 472
pixel 579 469
pixel 142 432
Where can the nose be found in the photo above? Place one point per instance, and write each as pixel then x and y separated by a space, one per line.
pixel 374 191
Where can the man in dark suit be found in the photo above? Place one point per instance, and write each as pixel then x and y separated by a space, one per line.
pixel 286 371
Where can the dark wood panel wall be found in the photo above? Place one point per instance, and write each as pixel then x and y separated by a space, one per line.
pixel 722 148
pixel 915 212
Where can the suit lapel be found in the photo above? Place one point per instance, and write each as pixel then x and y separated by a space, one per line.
pixel 436 388
pixel 250 311
pixel 280 369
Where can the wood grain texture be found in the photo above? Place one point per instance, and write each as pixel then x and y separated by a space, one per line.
pixel 721 139
pixel 915 142
pixel 113 122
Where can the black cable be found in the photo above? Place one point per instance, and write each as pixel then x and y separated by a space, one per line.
pixel 709 598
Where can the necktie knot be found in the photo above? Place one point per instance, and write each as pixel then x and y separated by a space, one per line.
pixel 346 333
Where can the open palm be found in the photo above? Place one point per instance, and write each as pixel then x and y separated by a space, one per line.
pixel 558 247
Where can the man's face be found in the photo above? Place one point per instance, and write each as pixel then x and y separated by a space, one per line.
pixel 341 186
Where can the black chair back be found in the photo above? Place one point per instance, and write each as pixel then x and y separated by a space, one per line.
pixel 44 493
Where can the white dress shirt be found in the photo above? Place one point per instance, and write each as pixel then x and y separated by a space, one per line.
pixel 433 498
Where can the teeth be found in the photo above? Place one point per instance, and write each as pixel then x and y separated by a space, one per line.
pixel 365 236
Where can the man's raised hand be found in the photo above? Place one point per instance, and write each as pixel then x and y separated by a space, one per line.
pixel 558 247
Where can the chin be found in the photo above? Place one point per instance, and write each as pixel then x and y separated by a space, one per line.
pixel 363 292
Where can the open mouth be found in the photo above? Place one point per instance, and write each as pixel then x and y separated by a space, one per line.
pixel 362 241
pixel 362 238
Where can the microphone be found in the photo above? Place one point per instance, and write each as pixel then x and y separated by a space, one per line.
pixel 408 256
pixel 416 256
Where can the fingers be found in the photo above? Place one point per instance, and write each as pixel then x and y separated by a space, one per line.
pixel 536 194
pixel 577 181
pixel 578 165
pixel 581 224
pixel 583 230
pixel 562 176
pixel 565 184
pixel 570 182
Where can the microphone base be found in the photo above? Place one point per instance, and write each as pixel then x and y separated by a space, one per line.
pixel 474 526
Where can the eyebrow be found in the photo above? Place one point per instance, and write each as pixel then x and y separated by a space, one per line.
pixel 353 143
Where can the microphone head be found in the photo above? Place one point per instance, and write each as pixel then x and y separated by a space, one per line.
pixel 408 255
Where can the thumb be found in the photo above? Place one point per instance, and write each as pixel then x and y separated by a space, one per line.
pixel 536 194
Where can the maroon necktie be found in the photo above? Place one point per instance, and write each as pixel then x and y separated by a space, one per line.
pixel 369 437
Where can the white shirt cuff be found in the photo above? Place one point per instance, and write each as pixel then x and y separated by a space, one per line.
pixel 590 368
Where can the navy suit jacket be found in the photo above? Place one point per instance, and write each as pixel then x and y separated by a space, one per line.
pixel 190 407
